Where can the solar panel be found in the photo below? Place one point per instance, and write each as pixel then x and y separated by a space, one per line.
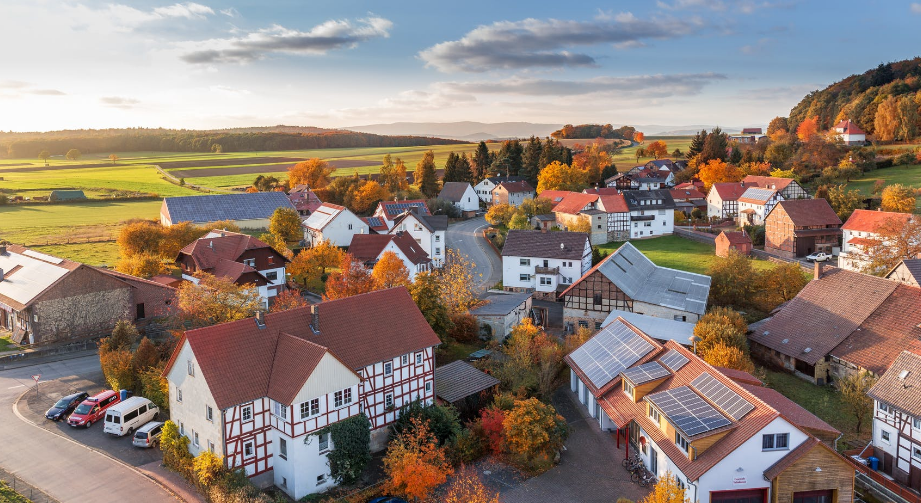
pixel 720 394
pixel 609 352
pixel 646 372
pixel 688 411
pixel 673 360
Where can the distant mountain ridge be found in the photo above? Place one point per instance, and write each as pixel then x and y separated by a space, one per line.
pixel 477 131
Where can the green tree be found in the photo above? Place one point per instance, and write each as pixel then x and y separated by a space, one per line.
pixel 424 175
pixel 426 292
pixel 519 221
pixel 451 167
pixel 352 438
pixel 697 144
pixel 715 145
pixel 843 201
pixel 73 154
pixel 442 420
pixel 732 280
pixel 854 388
pixel 44 155
pixel 481 162
pixel 537 206
pixel 530 160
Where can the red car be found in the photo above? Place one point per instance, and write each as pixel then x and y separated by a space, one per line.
pixel 93 409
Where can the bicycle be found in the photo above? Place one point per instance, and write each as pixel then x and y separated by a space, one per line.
pixel 631 464
pixel 647 479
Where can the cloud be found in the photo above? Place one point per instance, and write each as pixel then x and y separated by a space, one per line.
pixel 333 34
pixel 230 12
pixel 47 92
pixel 760 46
pixel 743 6
pixel 410 101
pixel 189 10
pixel 546 43
pixel 124 18
pixel 118 102
pixel 13 84
pixel 16 88
pixel 639 86
pixel 916 8
pixel 228 91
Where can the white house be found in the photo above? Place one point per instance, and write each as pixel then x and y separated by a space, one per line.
pixel 257 392
pixel 859 231
pixel 755 203
pixel 897 420
pixel 723 199
pixel 461 195
pixel 368 249
pixel 541 262
pixel 333 223
pixel 652 212
pixel 391 210
pixel 484 189
pixel 428 230
pixel 724 439
pixel 849 132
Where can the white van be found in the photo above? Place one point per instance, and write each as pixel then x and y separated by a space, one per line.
pixel 128 415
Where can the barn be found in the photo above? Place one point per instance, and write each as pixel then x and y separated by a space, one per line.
pixel 246 210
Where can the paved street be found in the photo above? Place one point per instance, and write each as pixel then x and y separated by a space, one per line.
pixel 467 238
pixel 65 469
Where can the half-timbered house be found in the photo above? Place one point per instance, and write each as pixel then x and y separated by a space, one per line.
pixel 788 187
pixel 799 227
pixel 897 420
pixel 755 203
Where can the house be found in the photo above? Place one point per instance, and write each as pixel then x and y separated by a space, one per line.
pixel 897 420
pixel 840 323
pixel 849 132
pixel 723 199
pixel 799 227
pixel 542 262
pixel 752 130
pixel 663 165
pixel 368 248
pixel 47 299
pixel 462 196
pixel 907 272
pixel 788 187
pixel 652 212
pixel 660 329
pixel 240 258
pixel 390 210
pixel 641 178
pixel 627 280
pixel 618 216
pixel 724 440
pixel 58 196
pixel 859 232
pixel 259 392
pixel 501 313
pixel 755 203
pixel 576 208
pixel 512 193
pixel 333 223
pixel 732 240
pixel 544 222
pixel 694 184
pixel 465 387
pixel 428 230
pixel 246 210
pixel 484 188
pixel 304 200
pixel 376 225
pixel 689 199
pixel 600 191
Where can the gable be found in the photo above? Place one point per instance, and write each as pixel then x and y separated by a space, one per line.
pixel 328 376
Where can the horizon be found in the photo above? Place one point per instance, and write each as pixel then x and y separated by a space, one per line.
pixel 223 64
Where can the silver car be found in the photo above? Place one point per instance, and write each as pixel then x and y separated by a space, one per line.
pixel 148 435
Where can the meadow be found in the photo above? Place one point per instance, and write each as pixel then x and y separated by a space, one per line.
pixel 909 175
pixel 678 253
pixel 625 158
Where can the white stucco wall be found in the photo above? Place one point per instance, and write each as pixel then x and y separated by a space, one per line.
pixel 340 230
pixel 662 225
pixel 190 414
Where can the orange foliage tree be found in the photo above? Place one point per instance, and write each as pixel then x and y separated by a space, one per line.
pixel 808 128
pixel 491 421
pixel 666 490
pixel 314 172
pixel 289 299
pixel 899 198
pixel 414 463
pixel 639 137
pixel 657 149
pixel 309 266
pixel 367 195
pixel 353 278
pixel 390 271
pixel 559 176
pixel 723 355
pixel 468 488
pixel 717 171
pixel 216 300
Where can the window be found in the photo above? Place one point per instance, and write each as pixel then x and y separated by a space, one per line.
pixel 418 358
pixel 248 450
pixel 209 413
pixel 628 388
pixel 524 277
pixel 654 414
pixel 280 410
pixel 271 260
pixel 437 238
pixel 347 392
pixel 884 435
pixel 211 447
pixel 388 368
pixel 388 400
pixel 428 387
pixel 883 407
pixel 437 251
pixel 597 325
pixel 916 423
pixel 195 434
pixel 283 448
pixel 191 368
pixel 775 441
pixel 583 324
pixel 525 262
pixel 596 299
pixel 681 442
pixel 310 408
pixel 338 399
pixel 250 262
pixel 679 317
pixel 404 359
pixel 324 442
pixel 179 395
pixel 284 482
pixel 182 429
pixel 247 413
pixel 916 452
pixel 350 226
pixel 321 479
pixel 546 281
pixel 272 276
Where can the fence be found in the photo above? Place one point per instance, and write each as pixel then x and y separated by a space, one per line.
pixel 24 489
pixel 34 351
pixel 877 484
pixel 700 237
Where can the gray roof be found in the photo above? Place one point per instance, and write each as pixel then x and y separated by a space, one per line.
pixel 458 380
pixel 436 222
pixel 912 266
pixel 657 328
pixel 899 385
pixel 520 243
pixel 500 304
pixel 62 195
pixel 644 281
pixel 659 199
pixel 453 191
pixel 252 206
pixel 758 194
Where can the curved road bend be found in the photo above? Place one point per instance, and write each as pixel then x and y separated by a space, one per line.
pixel 467 238
pixel 64 469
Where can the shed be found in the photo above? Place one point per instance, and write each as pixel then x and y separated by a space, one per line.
pixel 67 195
pixel 733 240
pixel 503 312
pixel 465 387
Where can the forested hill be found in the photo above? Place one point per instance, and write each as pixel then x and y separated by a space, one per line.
pixel 859 97
pixel 592 131
pixel 91 141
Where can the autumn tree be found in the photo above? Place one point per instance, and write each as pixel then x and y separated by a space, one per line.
pixel 639 137
pixel 390 271
pixel 424 175
pixel 72 154
pixel 315 173
pixel 721 325
pixel 44 155
pixel 458 281
pixel 500 214
pixel 113 158
pixel 559 176
pixel 145 356
pixel 731 357
pixel 288 299
pixel 843 201
pixel 519 221
pixel 808 128
pixel 309 267
pixel 277 243
pixel 666 490
pixel 352 278
pixel 534 432
pixel 117 368
pixel 537 206
pixel 138 238
pixel 657 149
pixel 144 265
pixel 207 467
pixel 393 175
pixel 364 199
pixel 908 118
pixel 426 293
pixel 581 225
pixel 777 125
pixel 286 224
pixel 717 171
pixel 854 388
pixel 777 285
pixel 593 159
pixel 899 198
pixel 467 487
pixel 886 123
pixel 415 464
pixel 216 300
pixel 532 362
pixel 895 239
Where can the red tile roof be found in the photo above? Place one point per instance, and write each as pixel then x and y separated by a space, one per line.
pixel 554 196
pixel 731 191
pixel 690 185
pixel 686 193
pixel 849 127
pixel 602 191
pixel 869 221
pixel 368 247
pixel 740 376
pixel 736 237
pixel 574 202
pixel 899 387
pixel 614 204
pixel 768 182
pixel 513 187
pixel 295 359
pixel 207 252
pixel 304 199
pixel 809 212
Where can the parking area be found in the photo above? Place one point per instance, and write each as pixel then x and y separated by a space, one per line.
pixel 34 404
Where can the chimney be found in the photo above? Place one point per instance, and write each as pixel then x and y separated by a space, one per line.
pixel 2 249
pixel 1 274
pixel 260 319
pixel 315 318
pixel 211 244
pixel 818 270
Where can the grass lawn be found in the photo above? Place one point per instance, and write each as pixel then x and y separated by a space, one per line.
pixel 8 495
pixel 626 158
pixel 679 253
pixel 5 343
pixel 909 175
pixel 454 351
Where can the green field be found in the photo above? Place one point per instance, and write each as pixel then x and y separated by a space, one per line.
pixel 626 158
pixel 909 175
pixel 679 253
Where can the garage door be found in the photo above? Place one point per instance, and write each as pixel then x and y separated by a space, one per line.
pixel 743 496
pixel 814 497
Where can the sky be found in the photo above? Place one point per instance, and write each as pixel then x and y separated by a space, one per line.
pixel 68 64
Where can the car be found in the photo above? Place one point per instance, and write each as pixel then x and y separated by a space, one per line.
pixel 128 414
pixel 148 435
pixel 387 499
pixel 818 257
pixel 65 406
pixel 93 409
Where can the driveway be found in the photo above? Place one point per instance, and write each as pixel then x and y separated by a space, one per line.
pixel 467 238
pixel 63 468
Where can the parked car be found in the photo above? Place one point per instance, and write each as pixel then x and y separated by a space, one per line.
pixel 148 435
pixel 93 409
pixel 388 499
pixel 818 257
pixel 126 416
pixel 65 406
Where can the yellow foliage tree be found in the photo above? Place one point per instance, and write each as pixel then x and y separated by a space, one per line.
pixel 308 267
pixel 207 467
pixel 534 432
pixel 666 490
pixel 216 300
pixel 721 355
pixel 415 464
pixel 500 214
pixel 783 173
pixel 286 224
pixel 368 195
pixel 117 368
pixel 519 221
pixel 390 271
pixel 581 225
pixel 899 198
pixel 315 173
pixel 143 265
pixel 457 280
pixel 717 171
pixel 886 122
pixel 559 176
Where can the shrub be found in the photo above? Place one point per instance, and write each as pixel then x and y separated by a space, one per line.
pixel 467 446
pixel 492 428
pixel 207 466
pixel 175 449
pixel 352 439
pixel 441 420
pixel 534 432
pixel 466 328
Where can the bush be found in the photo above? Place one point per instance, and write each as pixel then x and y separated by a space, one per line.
pixel 906 158
pixel 443 207
pixel 352 441
pixel 442 420
pixel 466 328
pixel 756 233
pixel 207 466
pixel 492 429
pixel 175 449
pixel 467 446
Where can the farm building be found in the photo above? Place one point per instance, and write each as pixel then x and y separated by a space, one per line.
pixel 799 227
pixel 738 241
pixel 333 223
pixel 246 210
pixel 465 387
pixel 502 312
pixel 907 272
pixel 66 195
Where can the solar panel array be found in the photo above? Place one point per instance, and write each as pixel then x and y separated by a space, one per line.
pixel 609 352
pixel 395 208
pixel 673 360
pixel 720 394
pixel 646 372
pixel 688 411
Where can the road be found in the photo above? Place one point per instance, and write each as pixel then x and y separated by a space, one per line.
pixel 467 238
pixel 64 469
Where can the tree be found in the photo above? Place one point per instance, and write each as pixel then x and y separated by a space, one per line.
pixel 442 420
pixel 286 224
pixel 657 149
pixel 697 144
pixel 844 202
pixel 895 239
pixel 393 175
pixel 113 158
pixel 715 145
pixel 519 221
pixel 424 175
pixel 854 388
pixel 352 439
pixel 500 214
pixel 468 488
pixel 908 118
pixel 731 357
pixel 264 183
pixel 717 171
pixel 217 148
pixel 593 159
pixel 308 268
pixel 145 356
pixel 639 137
pixel 152 385
pixel 534 432
pixel 72 154
pixel 640 152
pixel 559 176
pixel 458 282
pixel 426 292
pixel 886 124
pixel 122 338
pixel 808 128
pixel 143 266
pixel 537 206
pixel 207 466
pixel 315 173
pixel 721 325
pixel 390 271
pixel 481 161
pixel 451 165
pixel 44 155
pixel 899 198
pixel 530 161
pixel 352 278
pixel 289 299
pixel 415 464
pixel 581 225
pixel 369 193
pixel 777 125
pixel 216 300
pixel 492 421
pixel 277 243
pixel 777 285
pixel 117 368
pixel 666 490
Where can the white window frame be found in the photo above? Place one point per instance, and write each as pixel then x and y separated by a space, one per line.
pixel 916 452
pixel 323 438
pixel 283 448
pixel 195 436
pixel 347 396
pixel 388 368
pixel 419 359
pixel 388 400
pixel 884 436
pixel 178 394
pixel 774 438
pixel 252 449
pixel 428 386
pixel 321 479
pixel 404 360
pixel 681 442
pixel 525 262
pixel 211 447
pixel 191 367
pixel 243 414
pixel 279 410
pixel 308 407
pixel 209 413
pixel 654 415
pixel 628 388
pixel 337 399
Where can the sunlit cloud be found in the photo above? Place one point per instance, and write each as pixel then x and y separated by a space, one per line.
pixel 647 86
pixel 118 102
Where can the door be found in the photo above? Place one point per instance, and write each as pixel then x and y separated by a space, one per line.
pixel 140 311
pixel 654 462
pixel 814 496
pixel 743 496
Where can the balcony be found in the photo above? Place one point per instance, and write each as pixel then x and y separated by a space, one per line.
pixel 553 271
